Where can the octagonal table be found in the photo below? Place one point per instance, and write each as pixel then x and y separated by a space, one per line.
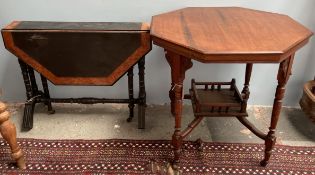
pixel 225 35
pixel 78 53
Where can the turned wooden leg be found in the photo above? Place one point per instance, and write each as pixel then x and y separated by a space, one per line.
pixel 284 73
pixel 130 92
pixel 26 78
pixel 142 95
pixel 171 95
pixel 32 80
pixel 8 132
pixel 30 103
pixel 245 91
pixel 179 65
pixel 46 94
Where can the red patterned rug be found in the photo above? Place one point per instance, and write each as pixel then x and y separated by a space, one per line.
pixel 152 157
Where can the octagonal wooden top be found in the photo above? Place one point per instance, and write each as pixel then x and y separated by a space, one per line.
pixel 228 34
pixel 78 53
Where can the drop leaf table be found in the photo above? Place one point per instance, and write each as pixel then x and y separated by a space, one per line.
pixel 78 53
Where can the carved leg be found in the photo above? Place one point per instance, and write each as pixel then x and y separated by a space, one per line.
pixel 32 80
pixel 245 91
pixel 26 78
pixel 171 95
pixel 142 95
pixel 179 65
pixel 284 73
pixel 8 132
pixel 28 115
pixel 130 91
pixel 30 104
pixel 47 95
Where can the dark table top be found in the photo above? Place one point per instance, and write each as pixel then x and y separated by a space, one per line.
pixel 78 53
pixel 84 26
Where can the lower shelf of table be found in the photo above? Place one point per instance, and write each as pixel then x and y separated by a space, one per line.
pixel 216 100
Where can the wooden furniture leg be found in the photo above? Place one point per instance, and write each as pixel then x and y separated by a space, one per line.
pixel 284 73
pixel 171 95
pixel 46 94
pixel 8 132
pixel 32 80
pixel 179 65
pixel 142 94
pixel 245 91
pixel 30 103
pixel 26 78
pixel 131 104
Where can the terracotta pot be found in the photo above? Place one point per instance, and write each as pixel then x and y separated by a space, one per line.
pixel 307 101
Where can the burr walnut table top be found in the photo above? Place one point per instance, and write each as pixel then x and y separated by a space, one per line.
pixel 228 34
pixel 78 53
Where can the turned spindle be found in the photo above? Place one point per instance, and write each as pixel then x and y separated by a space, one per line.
pixel 8 132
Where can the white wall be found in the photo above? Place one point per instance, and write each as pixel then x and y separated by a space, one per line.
pixel 157 70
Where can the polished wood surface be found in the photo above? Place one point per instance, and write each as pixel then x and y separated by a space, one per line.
pixel 78 53
pixel 78 26
pixel 8 132
pixel 228 34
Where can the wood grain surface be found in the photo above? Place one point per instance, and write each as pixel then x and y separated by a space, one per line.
pixel 78 26
pixel 78 53
pixel 8 132
pixel 228 34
